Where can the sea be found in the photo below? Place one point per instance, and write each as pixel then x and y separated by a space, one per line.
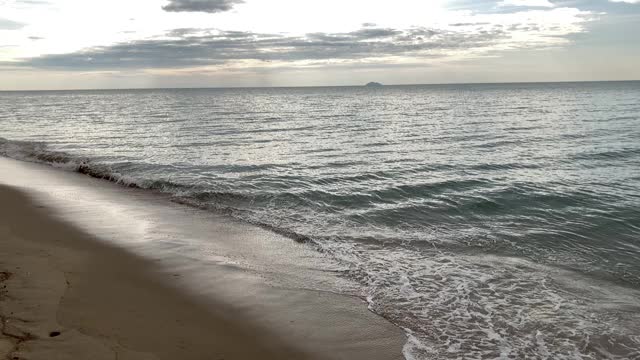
pixel 489 221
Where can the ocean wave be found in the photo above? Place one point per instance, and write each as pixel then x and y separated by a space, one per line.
pixel 35 152
pixel 609 155
pixel 478 306
pixel 228 203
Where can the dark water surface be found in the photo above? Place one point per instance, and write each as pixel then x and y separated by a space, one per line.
pixel 489 221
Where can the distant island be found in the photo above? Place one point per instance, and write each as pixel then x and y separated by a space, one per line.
pixel 373 84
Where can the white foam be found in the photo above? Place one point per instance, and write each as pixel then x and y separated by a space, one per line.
pixel 456 306
pixel 413 346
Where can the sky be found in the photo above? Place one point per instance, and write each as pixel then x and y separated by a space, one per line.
pixel 89 44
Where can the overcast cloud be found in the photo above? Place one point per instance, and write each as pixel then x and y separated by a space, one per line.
pixel 196 47
pixel 193 47
pixel 208 6
pixel 6 24
pixel 258 41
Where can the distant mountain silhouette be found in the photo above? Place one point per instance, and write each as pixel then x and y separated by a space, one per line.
pixel 373 84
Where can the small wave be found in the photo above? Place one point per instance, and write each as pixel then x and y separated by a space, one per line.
pixel 494 144
pixel 223 202
pixel 39 153
pixel 32 151
pixel 491 307
pixel 609 155
pixel 205 202
pixel 504 166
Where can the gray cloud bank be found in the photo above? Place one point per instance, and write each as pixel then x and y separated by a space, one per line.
pixel 208 6
pixel 6 24
pixel 183 48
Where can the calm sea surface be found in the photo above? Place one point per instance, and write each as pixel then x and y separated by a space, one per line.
pixel 489 221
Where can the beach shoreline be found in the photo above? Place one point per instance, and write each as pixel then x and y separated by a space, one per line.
pixel 69 296
pixel 96 300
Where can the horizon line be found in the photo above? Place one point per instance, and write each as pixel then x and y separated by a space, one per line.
pixel 325 86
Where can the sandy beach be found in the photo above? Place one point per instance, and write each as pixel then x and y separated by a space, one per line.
pixel 67 294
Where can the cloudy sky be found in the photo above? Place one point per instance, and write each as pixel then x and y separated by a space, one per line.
pixel 73 44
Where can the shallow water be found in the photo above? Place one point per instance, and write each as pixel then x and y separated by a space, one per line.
pixel 487 220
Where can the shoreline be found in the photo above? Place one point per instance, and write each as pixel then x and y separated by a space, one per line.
pixel 68 296
pixel 105 298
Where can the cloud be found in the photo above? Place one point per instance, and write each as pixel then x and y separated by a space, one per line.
pixel 626 1
pixel 183 48
pixel 191 48
pixel 208 6
pixel 469 24
pixel 33 2
pixel 527 3
pixel 6 24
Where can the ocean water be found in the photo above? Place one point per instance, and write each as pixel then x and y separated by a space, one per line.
pixel 488 221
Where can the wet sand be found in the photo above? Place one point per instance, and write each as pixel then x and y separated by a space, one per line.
pixel 67 296
pixel 68 293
